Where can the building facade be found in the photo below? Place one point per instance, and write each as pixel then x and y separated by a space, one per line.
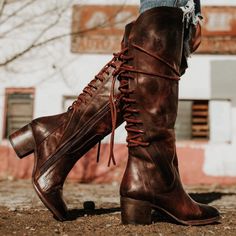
pixel 51 50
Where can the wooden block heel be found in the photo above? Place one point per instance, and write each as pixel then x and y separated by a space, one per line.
pixel 23 141
pixel 135 211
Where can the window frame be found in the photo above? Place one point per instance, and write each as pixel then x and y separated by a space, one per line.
pixel 200 140
pixel 9 91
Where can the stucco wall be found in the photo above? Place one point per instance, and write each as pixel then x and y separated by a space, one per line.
pixel 55 72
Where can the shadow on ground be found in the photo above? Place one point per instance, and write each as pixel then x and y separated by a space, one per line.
pixel 76 213
pixel 207 198
pixel 157 216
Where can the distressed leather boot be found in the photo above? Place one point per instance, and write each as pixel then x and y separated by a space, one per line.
pixel 149 82
pixel 59 141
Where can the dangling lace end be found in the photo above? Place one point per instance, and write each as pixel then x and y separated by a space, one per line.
pixel 113 119
pixel 98 151
pixel 111 155
pixel 111 158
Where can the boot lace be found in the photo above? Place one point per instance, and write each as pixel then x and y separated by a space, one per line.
pixel 125 73
pixel 92 86
pixel 119 70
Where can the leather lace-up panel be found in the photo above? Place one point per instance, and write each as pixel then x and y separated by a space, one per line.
pixel 131 110
pixel 91 87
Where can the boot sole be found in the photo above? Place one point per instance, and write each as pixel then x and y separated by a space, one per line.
pixel 139 212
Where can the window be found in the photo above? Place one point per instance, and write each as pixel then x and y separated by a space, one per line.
pixel 183 124
pixel 223 83
pixel 200 126
pixel 67 102
pixel 192 120
pixel 18 108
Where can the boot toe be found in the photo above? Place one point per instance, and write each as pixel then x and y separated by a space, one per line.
pixel 207 215
pixel 210 212
pixel 52 199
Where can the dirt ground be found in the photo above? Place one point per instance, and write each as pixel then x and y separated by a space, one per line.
pixel 22 213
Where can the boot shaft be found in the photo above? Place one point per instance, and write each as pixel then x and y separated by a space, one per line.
pixel 155 44
pixel 159 34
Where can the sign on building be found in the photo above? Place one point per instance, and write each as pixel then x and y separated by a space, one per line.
pixel 99 28
pixel 219 30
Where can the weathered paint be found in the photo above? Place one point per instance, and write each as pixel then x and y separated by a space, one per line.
pixel 55 72
pixel 101 27
pixel 220 160
pixel 193 165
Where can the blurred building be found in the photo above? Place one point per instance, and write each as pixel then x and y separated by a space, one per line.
pixel 51 50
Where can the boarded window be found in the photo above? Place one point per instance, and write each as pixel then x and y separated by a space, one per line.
pixel 19 109
pixel 200 117
pixel 192 120
pixel 67 102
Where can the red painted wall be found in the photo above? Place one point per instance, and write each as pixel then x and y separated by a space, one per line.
pixel 86 170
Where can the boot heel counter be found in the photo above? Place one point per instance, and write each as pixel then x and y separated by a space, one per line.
pixel 22 141
pixel 133 182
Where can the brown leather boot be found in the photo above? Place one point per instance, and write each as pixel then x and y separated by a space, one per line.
pixel 150 88
pixel 59 141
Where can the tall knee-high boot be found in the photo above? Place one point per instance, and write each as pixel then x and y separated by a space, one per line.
pixel 150 87
pixel 59 141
